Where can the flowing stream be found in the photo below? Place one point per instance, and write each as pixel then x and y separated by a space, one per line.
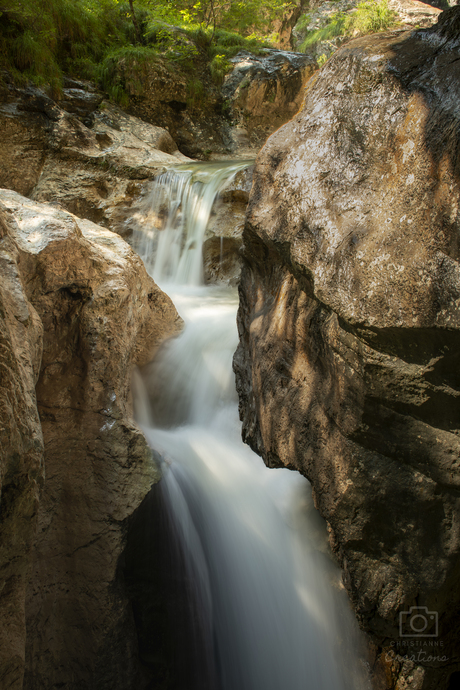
pixel 273 613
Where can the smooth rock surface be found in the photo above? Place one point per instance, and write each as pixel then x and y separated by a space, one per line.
pixel 349 356
pixel 80 311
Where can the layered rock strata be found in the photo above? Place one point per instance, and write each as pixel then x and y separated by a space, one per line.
pixel 349 356
pixel 78 310
pixel 89 157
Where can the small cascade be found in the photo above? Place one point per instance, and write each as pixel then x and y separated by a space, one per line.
pixel 180 205
pixel 272 611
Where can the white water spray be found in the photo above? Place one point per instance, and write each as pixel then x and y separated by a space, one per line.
pixel 269 594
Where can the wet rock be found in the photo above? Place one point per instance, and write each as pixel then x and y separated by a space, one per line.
pixel 347 367
pixel 221 249
pixel 229 209
pixel 78 310
pixel 264 92
pixel 81 99
pixel 221 260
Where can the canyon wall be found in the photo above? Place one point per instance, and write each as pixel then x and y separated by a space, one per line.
pixel 78 310
pixel 85 155
pixel 349 356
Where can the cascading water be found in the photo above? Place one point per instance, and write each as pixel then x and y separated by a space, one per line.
pixel 272 608
pixel 180 204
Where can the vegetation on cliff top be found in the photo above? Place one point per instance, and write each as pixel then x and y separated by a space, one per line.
pixel 368 16
pixel 40 40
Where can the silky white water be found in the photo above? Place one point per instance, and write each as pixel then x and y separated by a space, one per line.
pixel 180 205
pixel 275 614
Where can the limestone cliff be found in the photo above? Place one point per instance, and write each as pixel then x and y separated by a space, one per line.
pixel 77 311
pixel 349 356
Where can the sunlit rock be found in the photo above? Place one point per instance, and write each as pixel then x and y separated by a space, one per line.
pixel 97 172
pixel 347 367
pixel 78 310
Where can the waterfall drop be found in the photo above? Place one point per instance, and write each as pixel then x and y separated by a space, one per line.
pixel 180 205
pixel 273 612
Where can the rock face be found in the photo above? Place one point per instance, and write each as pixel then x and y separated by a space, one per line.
pixel 78 310
pixel 265 92
pixel 260 94
pixel 96 171
pixel 21 456
pixel 347 367
pixel 189 108
pixel 407 14
pixel 221 249
pixel 414 14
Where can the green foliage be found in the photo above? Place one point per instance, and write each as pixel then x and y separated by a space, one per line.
pixel 371 16
pixel 195 93
pixel 121 72
pixel 229 43
pixel 219 67
pixel 245 17
pixel 336 26
pixel 40 40
pixel 173 43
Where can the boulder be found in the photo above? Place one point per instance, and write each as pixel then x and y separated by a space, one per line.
pixel 78 311
pixel 263 92
pixel 21 456
pixel 347 366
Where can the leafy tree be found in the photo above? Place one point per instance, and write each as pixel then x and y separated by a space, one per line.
pixel 40 40
pixel 135 22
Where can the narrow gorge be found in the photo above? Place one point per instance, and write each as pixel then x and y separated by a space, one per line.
pixel 150 539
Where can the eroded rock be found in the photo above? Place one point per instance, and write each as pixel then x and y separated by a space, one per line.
pixel 265 91
pixel 347 367
pixel 21 455
pixel 221 249
pixel 80 293
pixel 96 172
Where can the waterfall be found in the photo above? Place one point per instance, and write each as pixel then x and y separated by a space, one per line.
pixel 179 206
pixel 272 607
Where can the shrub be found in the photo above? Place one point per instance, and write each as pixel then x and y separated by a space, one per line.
pixel 371 16
pixel 336 26
pixel 219 67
